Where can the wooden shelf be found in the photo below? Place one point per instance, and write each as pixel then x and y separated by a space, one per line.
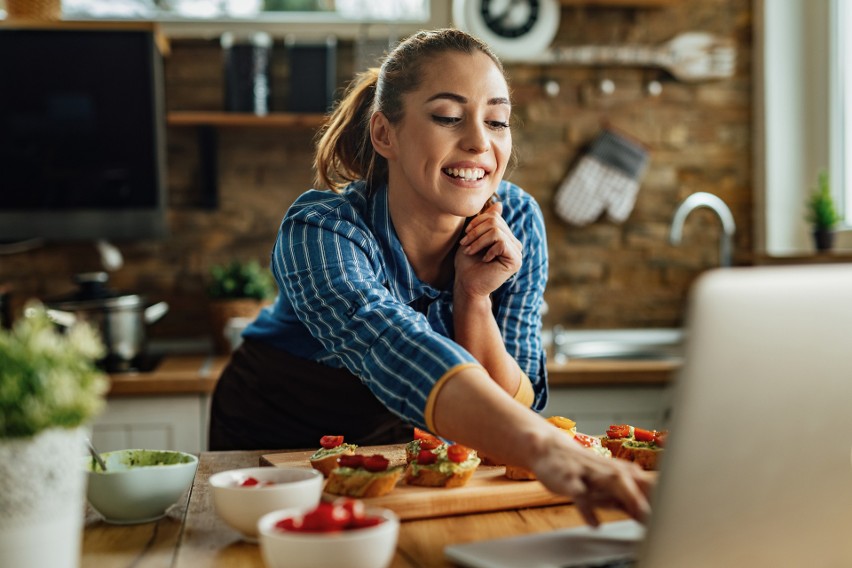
pixel 239 119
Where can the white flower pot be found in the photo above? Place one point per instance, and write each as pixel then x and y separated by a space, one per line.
pixel 42 496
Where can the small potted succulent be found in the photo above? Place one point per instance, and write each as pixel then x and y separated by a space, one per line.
pixel 50 388
pixel 822 214
pixel 238 289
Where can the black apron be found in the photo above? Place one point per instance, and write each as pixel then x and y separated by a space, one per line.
pixel 267 399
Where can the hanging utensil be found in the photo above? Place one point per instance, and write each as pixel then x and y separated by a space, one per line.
pixel 689 57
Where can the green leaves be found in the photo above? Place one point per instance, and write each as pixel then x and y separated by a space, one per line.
pixel 821 211
pixel 241 280
pixel 48 379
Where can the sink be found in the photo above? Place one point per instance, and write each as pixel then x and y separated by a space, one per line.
pixel 647 344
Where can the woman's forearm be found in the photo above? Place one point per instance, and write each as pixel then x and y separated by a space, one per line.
pixel 477 331
pixel 470 410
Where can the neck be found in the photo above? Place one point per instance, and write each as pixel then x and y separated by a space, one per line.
pixel 428 238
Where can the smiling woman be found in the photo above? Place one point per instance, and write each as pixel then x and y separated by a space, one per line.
pixel 408 298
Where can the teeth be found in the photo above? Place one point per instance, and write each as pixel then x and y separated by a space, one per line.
pixel 467 174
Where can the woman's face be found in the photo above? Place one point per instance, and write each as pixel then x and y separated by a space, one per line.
pixel 451 148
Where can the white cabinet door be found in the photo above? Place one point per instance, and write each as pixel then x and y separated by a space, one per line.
pixel 594 409
pixel 155 422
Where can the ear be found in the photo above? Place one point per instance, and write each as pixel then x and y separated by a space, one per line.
pixel 382 135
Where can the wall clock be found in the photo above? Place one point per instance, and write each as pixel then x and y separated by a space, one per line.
pixel 515 29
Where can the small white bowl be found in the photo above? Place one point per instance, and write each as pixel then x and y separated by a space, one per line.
pixel 139 485
pixel 371 547
pixel 241 507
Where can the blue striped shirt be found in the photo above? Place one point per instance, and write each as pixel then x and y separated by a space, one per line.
pixel 349 298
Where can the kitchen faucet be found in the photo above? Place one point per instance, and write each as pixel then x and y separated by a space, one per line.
pixel 710 201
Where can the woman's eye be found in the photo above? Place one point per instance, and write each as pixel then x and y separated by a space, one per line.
pixel 497 124
pixel 445 119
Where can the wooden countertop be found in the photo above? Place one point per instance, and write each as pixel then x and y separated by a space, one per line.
pixel 197 374
pixel 193 535
pixel 176 374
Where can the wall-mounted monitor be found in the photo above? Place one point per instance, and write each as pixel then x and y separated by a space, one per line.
pixel 82 127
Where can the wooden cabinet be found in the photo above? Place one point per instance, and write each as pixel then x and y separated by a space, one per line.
pixel 176 422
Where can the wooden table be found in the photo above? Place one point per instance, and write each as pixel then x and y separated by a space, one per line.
pixel 192 535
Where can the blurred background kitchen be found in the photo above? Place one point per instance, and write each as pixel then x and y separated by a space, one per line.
pixel 739 99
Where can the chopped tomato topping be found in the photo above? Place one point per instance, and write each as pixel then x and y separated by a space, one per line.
pixel 660 438
pixel 355 507
pixel 356 460
pixel 376 462
pixel 562 422
pixel 429 443
pixel 618 431
pixel 329 442
pixel 425 457
pixel 587 441
pixel 457 453
pixel 249 482
pixel 643 435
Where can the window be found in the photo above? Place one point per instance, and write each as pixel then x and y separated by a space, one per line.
pixel 841 137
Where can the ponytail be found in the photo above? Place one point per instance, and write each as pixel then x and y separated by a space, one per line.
pixel 344 152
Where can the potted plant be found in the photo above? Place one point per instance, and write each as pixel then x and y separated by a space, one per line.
pixel 238 289
pixel 822 214
pixel 50 387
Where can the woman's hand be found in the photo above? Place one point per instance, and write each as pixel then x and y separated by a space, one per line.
pixel 594 481
pixel 488 254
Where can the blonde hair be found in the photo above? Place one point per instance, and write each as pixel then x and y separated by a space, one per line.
pixel 344 152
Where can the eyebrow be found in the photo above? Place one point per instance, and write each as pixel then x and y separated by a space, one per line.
pixel 463 100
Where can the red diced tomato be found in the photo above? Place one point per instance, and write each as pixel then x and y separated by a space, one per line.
pixel 429 443
pixel 327 517
pixel 457 453
pixel 289 524
pixel 364 522
pixel 643 435
pixel 354 506
pixel 329 442
pixel 425 457
pixel 587 441
pixel 346 460
pixel 660 438
pixel 249 482
pixel 618 431
pixel 376 462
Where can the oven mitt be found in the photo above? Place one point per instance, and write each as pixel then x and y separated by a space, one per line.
pixel 605 179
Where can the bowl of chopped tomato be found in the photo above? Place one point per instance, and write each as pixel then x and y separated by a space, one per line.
pixel 242 496
pixel 343 533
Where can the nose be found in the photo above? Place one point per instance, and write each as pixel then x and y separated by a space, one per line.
pixel 475 138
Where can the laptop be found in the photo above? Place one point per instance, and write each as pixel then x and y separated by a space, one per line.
pixel 758 465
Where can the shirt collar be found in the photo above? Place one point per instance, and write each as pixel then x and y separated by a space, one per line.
pixel 402 281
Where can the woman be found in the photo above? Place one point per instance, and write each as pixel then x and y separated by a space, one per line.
pixel 410 295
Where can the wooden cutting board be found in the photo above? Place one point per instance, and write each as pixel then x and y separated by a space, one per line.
pixel 487 490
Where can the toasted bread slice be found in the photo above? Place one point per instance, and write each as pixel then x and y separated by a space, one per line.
pixel 328 461
pixel 519 473
pixel 362 483
pixel 648 458
pixel 426 477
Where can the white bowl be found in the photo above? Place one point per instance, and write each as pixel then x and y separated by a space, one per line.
pixel 371 547
pixel 139 485
pixel 241 507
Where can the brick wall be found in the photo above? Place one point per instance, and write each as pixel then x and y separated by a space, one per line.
pixel 602 275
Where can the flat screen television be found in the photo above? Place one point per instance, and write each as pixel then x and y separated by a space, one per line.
pixel 82 129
